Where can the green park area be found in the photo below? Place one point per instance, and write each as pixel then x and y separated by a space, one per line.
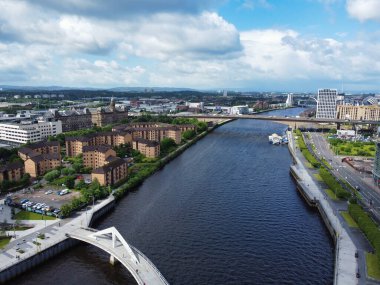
pixel 4 241
pixel 23 215
pixel 350 221
pixel 342 147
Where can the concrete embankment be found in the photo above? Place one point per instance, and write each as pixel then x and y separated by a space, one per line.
pixel 345 261
pixel 12 263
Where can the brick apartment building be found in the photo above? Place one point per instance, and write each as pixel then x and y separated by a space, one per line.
pixel 96 156
pixel 115 170
pixel 12 171
pixel 148 148
pixel 74 145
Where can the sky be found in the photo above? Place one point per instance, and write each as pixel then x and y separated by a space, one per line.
pixel 257 45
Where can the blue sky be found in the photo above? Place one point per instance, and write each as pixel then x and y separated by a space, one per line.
pixel 264 45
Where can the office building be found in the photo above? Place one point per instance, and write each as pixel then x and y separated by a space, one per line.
pixel 326 105
pixel 358 113
pixel 30 131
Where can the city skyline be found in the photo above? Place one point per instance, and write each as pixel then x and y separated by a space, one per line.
pixel 259 45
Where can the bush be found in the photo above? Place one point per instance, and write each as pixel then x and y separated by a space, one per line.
pixel 333 184
pixel 188 135
pixel 367 225
pixel 67 171
pixel 50 176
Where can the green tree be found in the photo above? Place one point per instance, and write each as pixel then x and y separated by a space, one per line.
pixel 50 176
pixel 188 135
pixel 166 145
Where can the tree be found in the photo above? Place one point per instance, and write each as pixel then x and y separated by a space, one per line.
pixel 50 176
pixel 202 126
pixel 166 145
pixel 188 135
pixel 70 182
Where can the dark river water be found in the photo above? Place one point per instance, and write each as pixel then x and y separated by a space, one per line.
pixel 226 211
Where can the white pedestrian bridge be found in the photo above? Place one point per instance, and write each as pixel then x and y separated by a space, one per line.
pixel 111 241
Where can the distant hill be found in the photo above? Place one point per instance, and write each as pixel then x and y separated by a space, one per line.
pixel 115 89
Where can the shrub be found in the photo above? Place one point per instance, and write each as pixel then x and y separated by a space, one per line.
pixel 50 176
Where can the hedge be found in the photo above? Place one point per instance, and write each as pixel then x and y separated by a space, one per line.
pixel 367 225
pixel 333 184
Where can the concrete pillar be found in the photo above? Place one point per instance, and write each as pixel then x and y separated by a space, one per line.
pixel 113 260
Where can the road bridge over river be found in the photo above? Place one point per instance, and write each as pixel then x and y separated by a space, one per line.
pixel 276 118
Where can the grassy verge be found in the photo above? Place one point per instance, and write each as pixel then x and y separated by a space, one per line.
pixel 23 215
pixel 373 267
pixel 308 165
pixel 318 177
pixel 331 194
pixel 4 242
pixel 350 221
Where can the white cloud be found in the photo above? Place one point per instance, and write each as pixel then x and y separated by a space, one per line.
pixel 364 10
pixel 198 49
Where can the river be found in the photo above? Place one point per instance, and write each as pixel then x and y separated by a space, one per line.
pixel 226 211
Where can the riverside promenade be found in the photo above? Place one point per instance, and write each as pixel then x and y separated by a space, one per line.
pixel 346 265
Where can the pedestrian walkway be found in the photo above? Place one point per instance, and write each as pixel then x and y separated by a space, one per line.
pixel 345 264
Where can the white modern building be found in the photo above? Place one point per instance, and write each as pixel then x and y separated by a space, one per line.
pixel 239 110
pixel 30 131
pixel 199 105
pixel 326 103
pixel 289 100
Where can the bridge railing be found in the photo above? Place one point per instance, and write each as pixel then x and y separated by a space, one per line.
pixel 151 264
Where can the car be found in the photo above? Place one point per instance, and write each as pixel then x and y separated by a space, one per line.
pixel 357 275
pixel 23 201
pixel 48 192
pixel 357 188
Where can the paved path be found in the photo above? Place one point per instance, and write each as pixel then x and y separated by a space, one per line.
pixel 346 264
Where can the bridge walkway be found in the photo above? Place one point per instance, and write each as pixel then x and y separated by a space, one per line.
pixel 110 240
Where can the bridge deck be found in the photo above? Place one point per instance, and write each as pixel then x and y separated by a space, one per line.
pixel 143 271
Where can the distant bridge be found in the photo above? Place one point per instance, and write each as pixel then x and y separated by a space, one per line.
pixel 111 241
pixel 276 118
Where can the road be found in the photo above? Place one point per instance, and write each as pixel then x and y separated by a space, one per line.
pixel 369 192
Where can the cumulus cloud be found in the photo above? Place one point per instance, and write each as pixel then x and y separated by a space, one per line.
pixel 184 46
pixel 364 10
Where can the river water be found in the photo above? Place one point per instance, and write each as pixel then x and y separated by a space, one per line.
pixel 226 211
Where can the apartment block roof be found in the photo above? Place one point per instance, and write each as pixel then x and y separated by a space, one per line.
pixel 116 162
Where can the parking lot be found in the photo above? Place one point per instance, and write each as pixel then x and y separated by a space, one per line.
pixel 41 196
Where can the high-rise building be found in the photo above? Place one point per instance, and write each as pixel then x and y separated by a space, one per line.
pixel 326 105
pixel 376 165
pixel 289 100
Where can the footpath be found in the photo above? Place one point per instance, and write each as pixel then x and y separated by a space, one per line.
pixel 346 264
pixel 28 245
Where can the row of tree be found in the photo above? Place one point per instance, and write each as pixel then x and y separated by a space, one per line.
pixel 367 225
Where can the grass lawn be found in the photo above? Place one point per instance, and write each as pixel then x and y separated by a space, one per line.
pixel 331 194
pixel 308 165
pixel 350 221
pixel 4 242
pixel 373 267
pixel 341 147
pixel 318 177
pixel 23 215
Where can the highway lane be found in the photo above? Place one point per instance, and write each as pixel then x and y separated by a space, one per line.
pixel 369 192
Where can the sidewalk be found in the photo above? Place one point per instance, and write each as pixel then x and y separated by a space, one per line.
pixel 345 264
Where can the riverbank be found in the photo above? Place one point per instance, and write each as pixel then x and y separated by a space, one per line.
pixel 345 262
